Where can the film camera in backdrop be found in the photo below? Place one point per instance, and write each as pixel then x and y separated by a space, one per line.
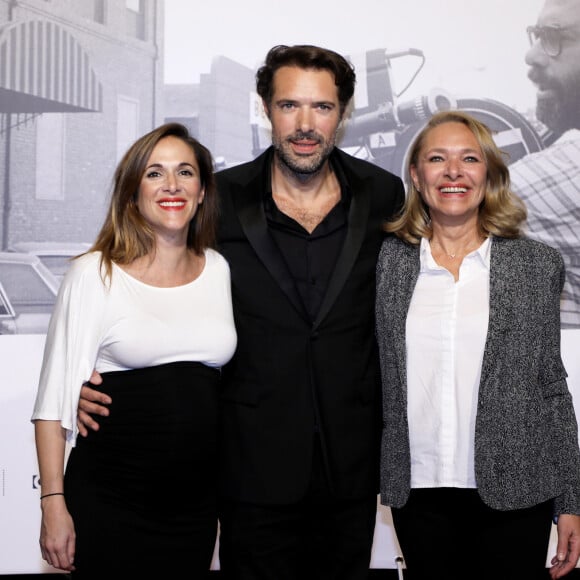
pixel 383 130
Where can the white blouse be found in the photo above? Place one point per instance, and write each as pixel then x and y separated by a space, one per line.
pixel 126 325
pixel 446 332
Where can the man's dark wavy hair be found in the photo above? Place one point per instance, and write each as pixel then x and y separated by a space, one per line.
pixel 307 57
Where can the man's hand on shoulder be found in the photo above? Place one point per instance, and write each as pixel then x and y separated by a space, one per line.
pixel 92 402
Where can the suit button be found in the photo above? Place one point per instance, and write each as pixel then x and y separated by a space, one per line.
pixel 314 335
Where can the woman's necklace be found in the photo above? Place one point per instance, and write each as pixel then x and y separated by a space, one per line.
pixel 463 251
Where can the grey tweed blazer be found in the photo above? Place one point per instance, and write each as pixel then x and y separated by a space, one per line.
pixel 526 433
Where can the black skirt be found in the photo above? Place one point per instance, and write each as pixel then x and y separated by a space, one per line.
pixel 142 489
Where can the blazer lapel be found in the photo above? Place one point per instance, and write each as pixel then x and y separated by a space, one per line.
pixel 247 199
pixel 402 287
pixel 503 295
pixel 356 231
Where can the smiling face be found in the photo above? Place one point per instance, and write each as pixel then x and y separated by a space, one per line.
pixel 305 115
pixel 170 190
pixel 451 174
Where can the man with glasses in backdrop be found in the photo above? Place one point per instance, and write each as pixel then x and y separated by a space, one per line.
pixel 549 180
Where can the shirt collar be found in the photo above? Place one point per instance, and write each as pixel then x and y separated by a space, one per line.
pixel 482 254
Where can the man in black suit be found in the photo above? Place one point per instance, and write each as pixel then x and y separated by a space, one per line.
pixel 301 229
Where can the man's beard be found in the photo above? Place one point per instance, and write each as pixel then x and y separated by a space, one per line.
pixel 303 166
pixel 559 109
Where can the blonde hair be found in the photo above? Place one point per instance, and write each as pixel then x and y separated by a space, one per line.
pixel 501 213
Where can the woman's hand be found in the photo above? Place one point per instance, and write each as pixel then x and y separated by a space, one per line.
pixel 568 549
pixel 57 533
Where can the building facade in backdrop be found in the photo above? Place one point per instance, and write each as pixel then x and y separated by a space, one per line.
pixel 79 81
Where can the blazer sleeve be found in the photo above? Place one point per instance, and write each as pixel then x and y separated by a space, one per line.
pixel 559 398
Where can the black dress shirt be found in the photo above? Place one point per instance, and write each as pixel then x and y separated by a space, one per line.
pixel 310 257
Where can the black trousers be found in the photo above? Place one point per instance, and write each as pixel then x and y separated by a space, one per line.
pixel 449 533
pixel 318 538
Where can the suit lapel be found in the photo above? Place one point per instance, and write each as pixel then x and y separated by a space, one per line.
pixel 247 199
pixel 356 231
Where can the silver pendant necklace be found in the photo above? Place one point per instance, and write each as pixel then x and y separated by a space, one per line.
pixel 465 250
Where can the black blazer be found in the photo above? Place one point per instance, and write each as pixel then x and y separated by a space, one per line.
pixel 289 374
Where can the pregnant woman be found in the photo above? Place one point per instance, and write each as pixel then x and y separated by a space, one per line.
pixel 149 308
